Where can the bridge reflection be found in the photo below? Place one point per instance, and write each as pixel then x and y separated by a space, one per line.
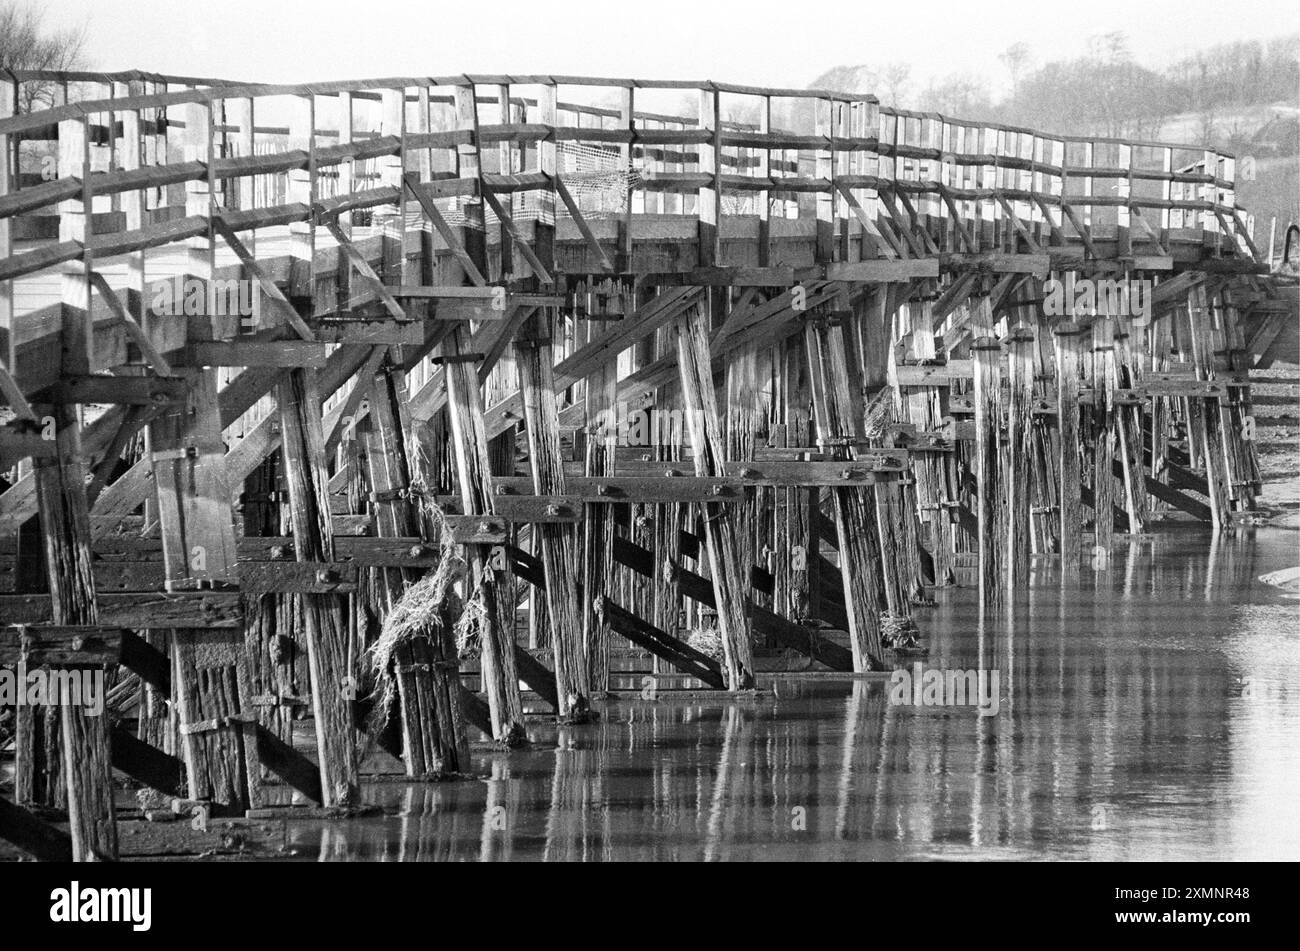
pixel 1148 712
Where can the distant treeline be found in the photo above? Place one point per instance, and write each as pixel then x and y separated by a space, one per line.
pixel 1107 92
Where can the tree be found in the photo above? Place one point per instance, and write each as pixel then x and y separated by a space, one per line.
pixel 959 95
pixel 895 79
pixel 26 44
pixel 1016 58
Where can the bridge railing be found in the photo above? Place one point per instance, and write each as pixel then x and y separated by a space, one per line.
pixel 116 164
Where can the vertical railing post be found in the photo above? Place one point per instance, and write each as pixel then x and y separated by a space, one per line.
pixel 763 197
pixel 132 205
pixel 1124 191
pixel 824 111
pixel 347 168
pixel 8 182
pixel 840 129
pixel 547 151
pixel 627 120
pixel 710 195
pixel 390 220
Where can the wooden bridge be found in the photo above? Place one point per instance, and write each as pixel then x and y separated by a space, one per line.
pixel 553 368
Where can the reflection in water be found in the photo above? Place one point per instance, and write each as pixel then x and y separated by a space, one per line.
pixel 1148 711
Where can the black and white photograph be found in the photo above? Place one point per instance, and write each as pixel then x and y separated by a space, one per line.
pixel 515 432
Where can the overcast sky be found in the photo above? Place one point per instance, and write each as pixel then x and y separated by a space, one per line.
pixel 758 42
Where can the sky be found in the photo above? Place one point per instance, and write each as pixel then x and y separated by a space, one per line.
pixel 756 43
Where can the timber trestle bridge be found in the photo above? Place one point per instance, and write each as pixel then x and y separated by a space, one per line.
pixel 319 393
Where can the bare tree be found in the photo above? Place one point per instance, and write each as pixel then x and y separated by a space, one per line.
pixel 26 44
pixel 896 79
pixel 1016 58
pixel 959 95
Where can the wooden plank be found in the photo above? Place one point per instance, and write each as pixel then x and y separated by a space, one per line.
pixel 766 622
pixel 362 267
pixel 17 446
pixel 39 839
pixel 449 237
pixel 645 635
pixel 296 770
pixel 147 764
pixel 583 228
pixel 125 390
pixel 1171 496
pixel 76 645
pixel 289 354
pixel 540 270
pixel 283 309
pixel 141 339
pixel 940 374
pixel 709 192
pixel 138 610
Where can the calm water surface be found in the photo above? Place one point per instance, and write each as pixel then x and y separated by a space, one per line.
pixel 1149 712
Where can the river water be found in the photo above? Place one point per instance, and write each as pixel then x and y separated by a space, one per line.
pixel 1148 711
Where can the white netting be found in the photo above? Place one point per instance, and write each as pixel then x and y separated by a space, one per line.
pixel 596 179
pixel 594 175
